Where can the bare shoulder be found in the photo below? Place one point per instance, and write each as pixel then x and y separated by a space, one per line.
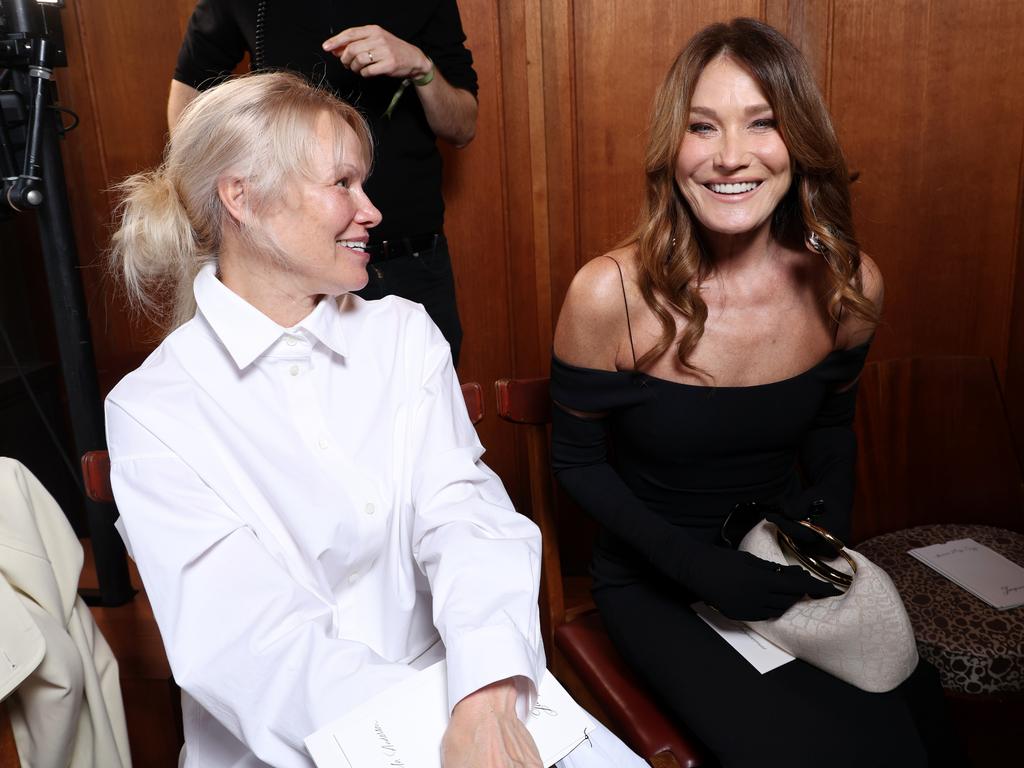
pixel 871 281
pixel 593 317
pixel 855 329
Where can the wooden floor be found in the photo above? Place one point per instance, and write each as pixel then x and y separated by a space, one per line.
pixel 152 702
pixel 8 752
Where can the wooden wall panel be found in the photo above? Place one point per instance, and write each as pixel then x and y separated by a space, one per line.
pixel 560 138
pixel 623 50
pixel 87 179
pixel 518 185
pixel 928 101
pixel 1014 387
pixel 121 58
pixel 477 228
pixel 808 24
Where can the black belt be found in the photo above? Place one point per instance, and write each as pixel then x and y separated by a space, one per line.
pixel 399 247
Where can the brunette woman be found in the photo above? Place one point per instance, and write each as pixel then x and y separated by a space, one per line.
pixel 719 351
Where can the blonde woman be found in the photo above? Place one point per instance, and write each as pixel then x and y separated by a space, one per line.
pixel 297 476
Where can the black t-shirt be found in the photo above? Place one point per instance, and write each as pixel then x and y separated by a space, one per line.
pixel 406 180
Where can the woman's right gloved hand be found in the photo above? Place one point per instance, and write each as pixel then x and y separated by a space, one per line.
pixel 745 587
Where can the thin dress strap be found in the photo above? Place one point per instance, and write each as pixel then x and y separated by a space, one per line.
pixel 839 321
pixel 625 303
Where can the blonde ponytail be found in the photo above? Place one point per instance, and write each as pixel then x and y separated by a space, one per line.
pixel 155 249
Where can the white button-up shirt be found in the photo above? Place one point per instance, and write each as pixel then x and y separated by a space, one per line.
pixel 309 514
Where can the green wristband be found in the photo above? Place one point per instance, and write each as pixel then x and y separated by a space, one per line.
pixel 424 79
pixel 419 81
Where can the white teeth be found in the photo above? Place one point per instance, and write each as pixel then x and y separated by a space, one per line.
pixel 733 189
pixel 353 244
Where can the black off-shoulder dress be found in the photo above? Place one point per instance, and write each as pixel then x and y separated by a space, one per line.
pixel 684 455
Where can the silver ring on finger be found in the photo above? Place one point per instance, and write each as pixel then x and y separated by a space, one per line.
pixel 369 55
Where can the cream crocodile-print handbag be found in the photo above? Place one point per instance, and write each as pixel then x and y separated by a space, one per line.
pixel 862 636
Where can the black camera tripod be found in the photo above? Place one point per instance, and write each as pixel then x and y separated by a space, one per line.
pixel 31 45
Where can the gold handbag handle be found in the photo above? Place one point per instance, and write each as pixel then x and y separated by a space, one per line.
pixel 814 564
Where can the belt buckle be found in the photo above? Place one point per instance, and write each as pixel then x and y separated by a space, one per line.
pixel 380 251
pixel 415 251
pixel 392 249
pixel 404 246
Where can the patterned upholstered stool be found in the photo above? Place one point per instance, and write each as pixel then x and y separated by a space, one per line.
pixel 976 648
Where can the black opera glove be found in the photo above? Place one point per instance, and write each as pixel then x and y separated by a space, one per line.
pixel 808 506
pixel 745 587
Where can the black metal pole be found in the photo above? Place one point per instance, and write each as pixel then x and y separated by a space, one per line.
pixel 75 346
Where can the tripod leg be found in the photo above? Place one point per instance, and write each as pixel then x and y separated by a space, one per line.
pixel 76 353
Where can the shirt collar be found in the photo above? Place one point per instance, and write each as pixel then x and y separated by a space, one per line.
pixel 246 332
pixel 325 323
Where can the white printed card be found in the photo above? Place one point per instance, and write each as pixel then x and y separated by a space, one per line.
pixel 402 727
pixel 762 655
pixel 980 570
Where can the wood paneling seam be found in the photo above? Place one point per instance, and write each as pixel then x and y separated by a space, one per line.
pixel 499 86
pixel 97 128
pixel 538 155
pixel 574 133
pixel 830 36
pixel 1016 273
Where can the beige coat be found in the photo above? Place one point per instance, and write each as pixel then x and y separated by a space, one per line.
pixel 57 672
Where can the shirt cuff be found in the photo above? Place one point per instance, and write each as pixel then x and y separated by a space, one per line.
pixel 490 654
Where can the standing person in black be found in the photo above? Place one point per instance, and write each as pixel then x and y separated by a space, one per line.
pixel 718 351
pixel 404 65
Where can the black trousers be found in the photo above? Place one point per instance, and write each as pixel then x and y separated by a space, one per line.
pixel 425 277
pixel 795 716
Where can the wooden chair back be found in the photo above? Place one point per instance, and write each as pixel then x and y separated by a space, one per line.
pixel 578 649
pixel 527 402
pixel 934 446
pixel 96 476
pixel 474 396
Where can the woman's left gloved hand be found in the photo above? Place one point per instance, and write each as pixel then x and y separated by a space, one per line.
pixel 808 506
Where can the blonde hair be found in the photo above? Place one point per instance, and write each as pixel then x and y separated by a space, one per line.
pixel 170 221
pixel 671 260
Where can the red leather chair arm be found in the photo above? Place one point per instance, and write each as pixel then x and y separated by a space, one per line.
pixel 645 728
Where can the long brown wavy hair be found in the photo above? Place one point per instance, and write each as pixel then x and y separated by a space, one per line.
pixel 671 261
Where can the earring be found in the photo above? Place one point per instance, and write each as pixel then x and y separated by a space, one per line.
pixel 812 239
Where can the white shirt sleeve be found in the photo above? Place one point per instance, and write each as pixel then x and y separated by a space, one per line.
pixel 251 645
pixel 481 557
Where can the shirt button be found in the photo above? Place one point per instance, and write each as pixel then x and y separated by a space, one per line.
pixel 369 509
pixel 294 370
pixel 290 341
pixel 322 442
pixel 353 577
